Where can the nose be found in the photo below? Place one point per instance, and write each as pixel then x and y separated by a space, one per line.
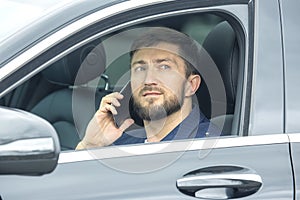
pixel 151 77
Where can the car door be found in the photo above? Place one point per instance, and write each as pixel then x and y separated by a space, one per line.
pixel 291 55
pixel 251 163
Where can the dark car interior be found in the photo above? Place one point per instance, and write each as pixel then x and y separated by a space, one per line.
pixel 51 93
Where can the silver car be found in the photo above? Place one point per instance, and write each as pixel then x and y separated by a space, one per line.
pixel 59 58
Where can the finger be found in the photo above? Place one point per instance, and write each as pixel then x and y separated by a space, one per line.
pixel 126 124
pixel 115 102
pixel 112 99
pixel 108 108
pixel 111 108
pixel 115 95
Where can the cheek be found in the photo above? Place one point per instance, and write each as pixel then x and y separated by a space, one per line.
pixel 174 83
pixel 134 85
pixel 175 90
pixel 136 80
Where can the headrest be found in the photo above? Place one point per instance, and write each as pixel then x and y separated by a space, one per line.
pixel 222 46
pixel 79 67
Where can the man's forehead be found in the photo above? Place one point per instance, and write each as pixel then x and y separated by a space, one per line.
pixel 160 50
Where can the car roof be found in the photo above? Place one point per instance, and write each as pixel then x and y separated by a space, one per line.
pixel 25 22
pixel 16 15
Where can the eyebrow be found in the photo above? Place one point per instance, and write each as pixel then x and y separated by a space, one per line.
pixel 141 62
pixel 164 60
pixel 160 60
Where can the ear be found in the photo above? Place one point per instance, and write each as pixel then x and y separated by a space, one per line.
pixel 192 84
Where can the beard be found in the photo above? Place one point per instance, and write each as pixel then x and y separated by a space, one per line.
pixel 153 111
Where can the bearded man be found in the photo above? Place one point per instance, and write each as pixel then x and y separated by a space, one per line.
pixel 163 83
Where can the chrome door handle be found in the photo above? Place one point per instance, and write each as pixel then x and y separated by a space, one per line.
pixel 213 183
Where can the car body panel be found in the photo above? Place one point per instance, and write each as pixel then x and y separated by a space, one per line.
pixel 291 51
pixel 295 150
pixel 291 57
pixel 153 175
pixel 267 95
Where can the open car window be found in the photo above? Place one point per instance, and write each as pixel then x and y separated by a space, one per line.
pixel 68 92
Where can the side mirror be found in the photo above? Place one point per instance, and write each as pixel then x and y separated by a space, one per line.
pixel 29 145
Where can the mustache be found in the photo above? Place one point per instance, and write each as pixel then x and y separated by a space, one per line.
pixel 150 89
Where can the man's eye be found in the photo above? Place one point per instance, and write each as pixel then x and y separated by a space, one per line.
pixel 164 67
pixel 140 69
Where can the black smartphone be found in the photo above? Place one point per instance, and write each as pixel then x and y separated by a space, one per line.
pixel 123 110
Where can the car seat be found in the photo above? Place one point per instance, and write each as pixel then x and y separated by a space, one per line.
pixel 222 46
pixel 69 109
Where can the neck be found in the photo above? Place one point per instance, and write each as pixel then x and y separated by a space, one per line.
pixel 158 129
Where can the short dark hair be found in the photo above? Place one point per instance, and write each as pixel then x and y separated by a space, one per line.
pixel 188 48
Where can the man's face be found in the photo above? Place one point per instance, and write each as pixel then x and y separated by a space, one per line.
pixel 158 81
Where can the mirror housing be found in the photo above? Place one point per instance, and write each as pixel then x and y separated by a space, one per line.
pixel 29 145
